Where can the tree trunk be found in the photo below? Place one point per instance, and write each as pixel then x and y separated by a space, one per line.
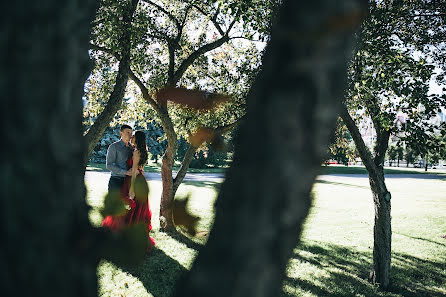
pixel 44 216
pixel 114 103
pixel 382 232
pixel 167 195
pixel 292 110
pixel 381 198
pixel 188 157
pixel 170 187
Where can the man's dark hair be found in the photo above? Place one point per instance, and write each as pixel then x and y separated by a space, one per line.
pixel 125 127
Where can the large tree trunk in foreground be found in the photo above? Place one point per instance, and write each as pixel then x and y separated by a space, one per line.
pixel 114 103
pixel 44 62
pixel 292 109
pixel 382 234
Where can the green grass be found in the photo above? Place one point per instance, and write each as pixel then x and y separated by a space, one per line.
pixel 335 255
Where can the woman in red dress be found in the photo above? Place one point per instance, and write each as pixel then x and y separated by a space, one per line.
pixel 134 192
pixel 139 190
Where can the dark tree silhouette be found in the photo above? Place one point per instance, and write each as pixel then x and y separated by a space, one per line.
pixel 292 109
pixel 44 216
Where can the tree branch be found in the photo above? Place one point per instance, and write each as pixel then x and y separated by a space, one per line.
pixel 226 128
pixel 195 55
pixel 231 25
pixel 213 19
pixel 382 143
pixel 144 91
pixel 186 12
pixel 184 167
pixel 114 103
pixel 171 69
pixel 363 150
pixel 203 49
pixel 159 7
pixel 160 36
pixel 245 38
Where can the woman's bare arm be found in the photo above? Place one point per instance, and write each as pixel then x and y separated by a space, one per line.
pixel 136 157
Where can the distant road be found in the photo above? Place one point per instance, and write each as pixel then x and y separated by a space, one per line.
pixel 156 176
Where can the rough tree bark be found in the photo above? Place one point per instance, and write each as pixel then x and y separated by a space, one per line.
pixel 382 231
pixel 292 109
pixel 114 103
pixel 167 195
pixel 44 216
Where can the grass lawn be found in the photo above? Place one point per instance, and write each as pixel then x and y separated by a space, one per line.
pixel 335 255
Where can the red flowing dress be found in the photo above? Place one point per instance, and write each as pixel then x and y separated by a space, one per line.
pixel 139 206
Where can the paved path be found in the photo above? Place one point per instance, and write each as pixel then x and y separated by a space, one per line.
pixel 156 176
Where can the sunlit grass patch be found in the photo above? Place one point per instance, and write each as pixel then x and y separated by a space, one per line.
pixel 335 255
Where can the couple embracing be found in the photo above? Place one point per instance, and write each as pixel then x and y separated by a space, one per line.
pixel 126 159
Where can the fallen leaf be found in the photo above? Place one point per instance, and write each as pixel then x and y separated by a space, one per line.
pixel 181 217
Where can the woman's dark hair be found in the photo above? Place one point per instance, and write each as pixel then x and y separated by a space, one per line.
pixel 140 141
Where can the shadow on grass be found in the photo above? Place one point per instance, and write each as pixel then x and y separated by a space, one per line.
pixel 207 184
pixel 158 273
pixel 341 271
pixel 180 237
pixel 422 239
